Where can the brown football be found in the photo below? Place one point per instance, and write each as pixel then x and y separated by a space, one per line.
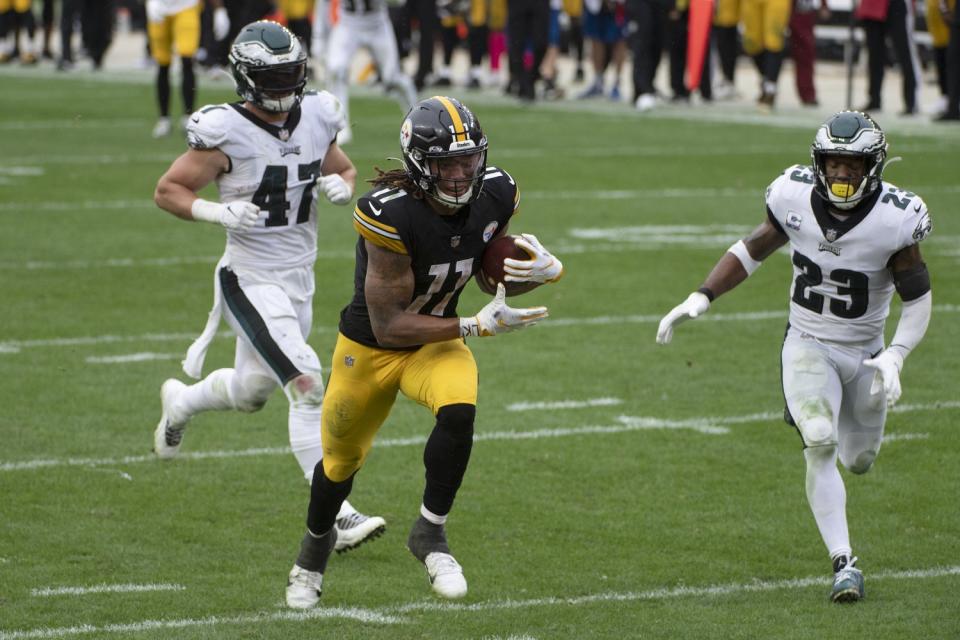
pixel 491 266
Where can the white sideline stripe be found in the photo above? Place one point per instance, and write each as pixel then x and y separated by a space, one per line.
pixel 320 613
pixel 390 615
pixel 674 592
pixel 563 404
pixel 15 346
pixel 132 357
pixel 143 262
pixel 105 588
pixel 627 423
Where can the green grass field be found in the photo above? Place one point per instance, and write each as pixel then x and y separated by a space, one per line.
pixel 618 489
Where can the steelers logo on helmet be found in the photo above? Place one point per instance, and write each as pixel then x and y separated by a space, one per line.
pixel 850 136
pixel 446 153
pixel 269 66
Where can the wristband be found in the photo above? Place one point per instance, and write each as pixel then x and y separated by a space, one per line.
pixel 707 291
pixel 205 211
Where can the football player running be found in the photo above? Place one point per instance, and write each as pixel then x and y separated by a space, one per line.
pixel 423 230
pixel 361 23
pixel 854 240
pixel 266 155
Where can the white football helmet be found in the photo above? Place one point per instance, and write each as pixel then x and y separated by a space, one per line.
pixel 269 66
pixel 849 134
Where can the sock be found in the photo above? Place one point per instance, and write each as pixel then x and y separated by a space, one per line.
pixel 431 517
pixel 210 394
pixel 303 426
pixel 828 498
pixel 315 550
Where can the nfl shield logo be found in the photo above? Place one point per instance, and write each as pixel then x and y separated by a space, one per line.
pixel 454 241
pixel 348 360
pixel 284 135
pixel 831 235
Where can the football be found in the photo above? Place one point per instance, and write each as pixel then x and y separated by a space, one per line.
pixel 491 266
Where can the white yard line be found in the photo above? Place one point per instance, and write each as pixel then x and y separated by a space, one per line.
pixel 105 588
pixel 132 357
pixel 349 613
pixel 394 614
pixel 707 425
pixel 559 194
pixel 563 404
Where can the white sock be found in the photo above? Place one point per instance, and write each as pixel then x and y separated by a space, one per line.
pixel 828 498
pixel 346 509
pixel 210 394
pixel 431 516
pixel 303 425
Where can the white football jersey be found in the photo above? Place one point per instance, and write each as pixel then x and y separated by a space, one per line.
pixel 275 167
pixel 842 284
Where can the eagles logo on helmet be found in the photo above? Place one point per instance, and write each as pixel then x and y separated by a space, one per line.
pixel 438 129
pixel 849 134
pixel 269 66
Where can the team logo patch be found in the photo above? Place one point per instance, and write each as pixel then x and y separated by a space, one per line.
pixel 285 151
pixel 454 241
pixel 923 229
pixel 348 360
pixel 406 133
pixel 489 230
pixel 793 220
pixel 829 248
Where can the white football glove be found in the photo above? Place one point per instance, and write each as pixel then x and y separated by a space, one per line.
pixel 335 188
pixel 887 377
pixel 497 317
pixel 695 305
pixel 221 23
pixel 236 216
pixel 543 267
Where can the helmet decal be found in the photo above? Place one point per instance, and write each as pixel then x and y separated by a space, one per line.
pixel 269 66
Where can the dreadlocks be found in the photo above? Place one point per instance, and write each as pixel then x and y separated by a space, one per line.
pixel 396 178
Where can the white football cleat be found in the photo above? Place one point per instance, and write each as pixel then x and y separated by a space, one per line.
pixel 355 528
pixel 303 588
pixel 168 435
pixel 162 128
pixel 446 575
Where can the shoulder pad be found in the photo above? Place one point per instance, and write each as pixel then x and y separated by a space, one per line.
pixel 502 186
pixel 327 109
pixel 376 221
pixel 208 127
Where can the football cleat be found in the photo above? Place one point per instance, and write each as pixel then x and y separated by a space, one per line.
pixel 355 528
pixel 162 128
pixel 847 582
pixel 168 435
pixel 446 575
pixel 303 588
pixel 428 544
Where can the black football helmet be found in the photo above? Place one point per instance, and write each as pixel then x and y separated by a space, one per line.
pixel 269 66
pixel 849 134
pixel 439 128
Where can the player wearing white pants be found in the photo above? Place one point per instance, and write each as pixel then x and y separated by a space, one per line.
pixel 365 23
pixel 854 240
pixel 266 156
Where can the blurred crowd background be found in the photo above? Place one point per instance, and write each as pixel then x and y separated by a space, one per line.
pixel 517 46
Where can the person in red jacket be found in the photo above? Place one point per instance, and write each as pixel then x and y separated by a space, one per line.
pixel 803 46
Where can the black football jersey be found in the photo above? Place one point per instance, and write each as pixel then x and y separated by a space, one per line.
pixel 444 251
